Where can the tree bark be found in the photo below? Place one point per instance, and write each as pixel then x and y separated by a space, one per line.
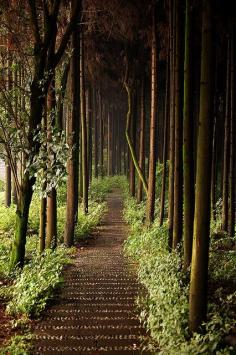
pixel 200 255
pixel 164 156
pixel 172 128
pixel 131 144
pixel 73 141
pixel 231 221
pixel 95 116
pixel 178 171
pixel 141 142
pixel 188 142
pixel 51 224
pixel 225 196
pixel 83 127
pixel 153 124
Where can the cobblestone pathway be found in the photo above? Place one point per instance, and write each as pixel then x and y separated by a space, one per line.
pixel 94 312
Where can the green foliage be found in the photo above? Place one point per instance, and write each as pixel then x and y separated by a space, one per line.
pixel 18 345
pixel 36 283
pixel 164 304
pixel 2 185
pixel 49 165
pixel 89 221
pixel 7 219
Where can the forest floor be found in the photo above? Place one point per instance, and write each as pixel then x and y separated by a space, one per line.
pixel 94 311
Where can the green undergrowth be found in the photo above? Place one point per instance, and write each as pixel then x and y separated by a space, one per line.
pixel 164 305
pixel 28 291
pixel 19 344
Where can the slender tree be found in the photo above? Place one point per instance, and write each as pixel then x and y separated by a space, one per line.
pixel 153 123
pixel 84 163
pixel 172 124
pixel 225 204
pixel 51 224
pixel 231 221
pixel 141 141
pixel 200 254
pixel 45 61
pixel 178 171
pixel 164 152
pixel 188 141
pixel 73 140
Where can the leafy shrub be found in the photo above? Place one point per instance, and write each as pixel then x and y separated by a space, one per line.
pixel 87 222
pixel 35 284
pixel 164 304
pixel 18 345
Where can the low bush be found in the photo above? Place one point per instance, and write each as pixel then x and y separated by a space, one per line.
pixel 164 304
pixel 35 284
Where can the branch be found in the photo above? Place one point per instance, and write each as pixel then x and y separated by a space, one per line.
pixel 34 21
pixel 70 28
pixel 131 147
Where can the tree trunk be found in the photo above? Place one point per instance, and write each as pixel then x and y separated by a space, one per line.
pixel 153 124
pixel 83 127
pixel 7 184
pixel 225 204
pixel 73 142
pixel 200 254
pixel 188 142
pixel 101 143
pixel 108 144
pixel 171 129
pixel 95 115
pixel 165 136
pixel 89 133
pixel 43 202
pixel 231 222
pixel 51 224
pixel 178 171
pixel 130 137
pixel 22 213
pixel 141 143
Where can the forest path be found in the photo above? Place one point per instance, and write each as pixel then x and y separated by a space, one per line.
pixel 94 312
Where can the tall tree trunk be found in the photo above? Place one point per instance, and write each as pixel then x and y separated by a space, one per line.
pixel 188 141
pixel 141 142
pixel 178 172
pixel 231 221
pixel 200 254
pixel 43 202
pixel 73 141
pixel 225 204
pixel 153 124
pixel 83 127
pixel 130 137
pixel 172 127
pixel 164 153
pixel 7 183
pixel 51 224
pixel 109 144
pixel 214 161
pixel 100 132
pixel 89 133
pixel 95 116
